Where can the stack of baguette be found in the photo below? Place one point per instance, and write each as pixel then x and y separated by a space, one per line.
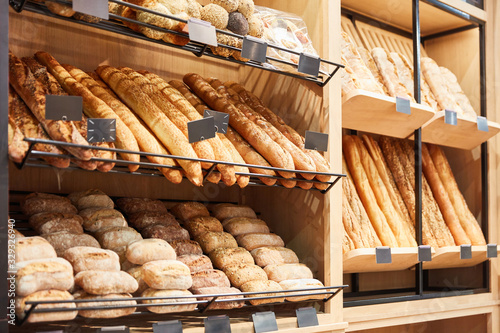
pixel 391 74
pixel 379 199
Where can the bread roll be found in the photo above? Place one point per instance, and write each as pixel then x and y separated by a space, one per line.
pixel 227 210
pixel 136 273
pixel 29 248
pixel 243 225
pixel 242 273
pixel 114 237
pixel 199 225
pixel 90 198
pixel 210 278
pixel 46 295
pixel 168 233
pixel 189 209
pixel 265 256
pixel 62 241
pixel 97 218
pixel 210 241
pixel 282 272
pixel 167 274
pixel 196 262
pixel 133 205
pixel 260 286
pixel 302 284
pixel 178 307
pixel 256 240
pixel 147 250
pixel 47 223
pixel 43 274
pixel 144 219
pixel 108 313
pixel 106 282
pixel 90 258
pixel 184 247
pixel 35 203
pixel 220 291
pixel 224 257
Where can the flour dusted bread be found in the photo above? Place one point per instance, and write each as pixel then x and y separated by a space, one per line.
pixel 97 218
pixel 260 286
pixel 243 225
pixel 178 307
pixel 35 203
pixel 199 225
pixel 220 291
pixel 29 248
pixel 168 233
pixel 210 241
pixel 210 278
pixel 133 205
pixel 115 237
pixel 282 272
pixel 62 241
pixel 146 250
pixel 184 247
pixel 239 274
pixel 106 282
pixel 90 198
pixel 84 258
pixel 269 255
pixel 196 262
pixel 47 223
pixel 167 274
pixel 298 284
pixel 108 313
pixel 46 295
pixel 389 74
pixel 136 273
pixel 224 257
pixel 144 219
pixel 43 274
pixel 256 240
pixel 226 210
pixel 189 209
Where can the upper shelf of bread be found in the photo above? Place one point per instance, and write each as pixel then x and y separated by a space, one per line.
pixel 433 20
pixel 288 47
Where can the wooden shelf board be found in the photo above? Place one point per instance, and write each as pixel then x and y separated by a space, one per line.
pixel 464 135
pixel 449 257
pixel 369 112
pixel 364 260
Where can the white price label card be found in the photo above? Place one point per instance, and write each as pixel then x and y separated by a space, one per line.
pixel 202 32
pixel 98 8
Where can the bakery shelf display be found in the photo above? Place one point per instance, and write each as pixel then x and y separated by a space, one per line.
pixel 365 260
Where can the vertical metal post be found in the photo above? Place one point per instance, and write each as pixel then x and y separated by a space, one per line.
pixel 419 279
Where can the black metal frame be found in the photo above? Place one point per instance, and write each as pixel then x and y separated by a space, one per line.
pixel 422 290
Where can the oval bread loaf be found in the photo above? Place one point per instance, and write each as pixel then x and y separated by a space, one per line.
pixel 134 205
pixel 199 225
pixel 90 198
pixel 243 225
pixel 109 313
pixel 210 241
pixel 167 274
pixel 115 237
pixel 142 220
pixel 43 274
pixel 97 218
pixel 169 293
pixel 167 233
pixel 183 247
pixel 210 278
pixel 227 210
pixel 62 241
pixel 146 250
pixel 189 209
pixel 283 272
pixel 47 223
pixel 263 285
pixel 136 273
pixel 85 258
pixel 35 203
pixel 196 262
pixel 265 256
pixel 220 291
pixel 256 240
pixel 241 274
pixel 302 284
pixel 46 295
pixel 224 257
pixel 106 282
pixel 29 248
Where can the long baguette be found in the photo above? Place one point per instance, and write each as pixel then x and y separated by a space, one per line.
pixel 147 142
pixel 443 199
pixel 255 136
pixel 351 225
pixel 93 107
pixel 172 137
pixel 178 100
pixel 467 219
pixel 102 84
pixel 33 94
pixel 347 243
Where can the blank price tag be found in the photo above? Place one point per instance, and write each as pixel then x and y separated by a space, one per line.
pixel 450 117
pixel 217 324
pixel 424 253
pixel 172 326
pixel 309 64
pixel 202 129
pixel 403 105
pixel 254 49
pixel 264 322
pixel 316 141
pixel 114 329
pixel 465 252
pixel 383 255
pixel 482 124
pixel 221 120
pixel 97 8
pixel 202 32
pixel 491 251
pixel 307 317
pixel 67 108
pixel 101 130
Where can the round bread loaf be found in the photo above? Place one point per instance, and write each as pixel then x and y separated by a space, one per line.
pixel 62 241
pixel 115 237
pixel 142 220
pixel 35 203
pixel 224 257
pixel 135 205
pixel 43 274
pixel 283 272
pixel 210 241
pixel 241 274
pixel 199 225
pixel 183 247
pixel 97 218
pixel 265 256
pixel 47 223
pixel 302 284
pixel 90 198
pixel 167 274
pixel 243 225
pixel 146 250
pixel 167 233
pixel 259 286
pixel 85 258
pixel 169 293
pixel 210 278
pixel 228 5
pixel 46 295
pixel 108 313
pixel 227 210
pixel 29 248
pixel 106 282
pixel 256 240
pixel 189 209
pixel 216 15
pixel 220 291
pixel 196 262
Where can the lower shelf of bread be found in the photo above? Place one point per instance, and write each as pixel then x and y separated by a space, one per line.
pixel 365 260
pixel 449 257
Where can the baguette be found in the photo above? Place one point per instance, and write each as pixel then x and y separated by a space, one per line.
pixel 33 94
pixel 173 139
pixel 347 243
pixel 403 71
pixel 388 71
pixel 372 67
pixel 94 76
pixel 93 107
pixel 458 93
pixel 145 139
pixel 351 225
pixel 347 78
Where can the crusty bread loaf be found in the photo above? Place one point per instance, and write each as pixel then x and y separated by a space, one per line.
pixel 43 274
pixel 29 248
pixel 389 75
pixel 107 313
pixel 97 218
pixel 199 225
pixel 260 286
pixel 168 233
pixel 269 255
pixel 114 237
pixel 46 295
pixel 90 258
pixel 189 209
pixel 90 198
pixel 136 273
pixel 243 225
pixel 146 250
pixel 220 291
pixel 47 223
pixel 35 203
pixel 210 278
pixel 178 307
pixel 210 241
pixel 60 9
pixel 256 240
pixel 106 282
pixel 302 284
pixel 282 272
pixel 184 247
pixel 224 257
pixel 133 205
pixel 239 274
pixel 62 241
pixel 226 210
pixel 167 274
pixel 144 219
pixel 196 262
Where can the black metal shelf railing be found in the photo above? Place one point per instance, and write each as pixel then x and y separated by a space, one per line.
pixel 34 158
pixel 199 49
